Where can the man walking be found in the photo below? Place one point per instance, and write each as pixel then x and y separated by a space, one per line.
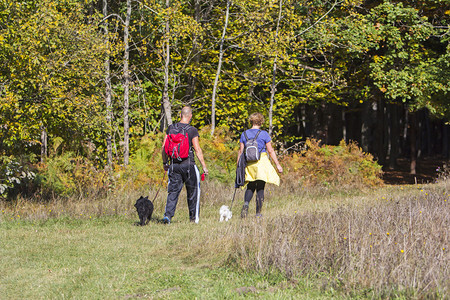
pixel 180 143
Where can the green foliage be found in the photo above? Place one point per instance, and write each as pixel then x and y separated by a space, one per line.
pixel 15 175
pixel 345 165
pixel 50 59
pixel 220 152
pixel 67 174
pixel 52 56
pixel 145 162
pixel 401 69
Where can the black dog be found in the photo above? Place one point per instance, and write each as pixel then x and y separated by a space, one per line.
pixel 144 209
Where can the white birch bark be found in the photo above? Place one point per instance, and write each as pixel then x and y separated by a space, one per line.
pixel 44 143
pixel 108 93
pixel 219 67
pixel 166 105
pixel 273 86
pixel 126 87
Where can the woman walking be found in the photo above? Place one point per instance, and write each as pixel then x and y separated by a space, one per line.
pixel 259 172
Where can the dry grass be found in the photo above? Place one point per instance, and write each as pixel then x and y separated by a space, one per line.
pixel 394 245
pixel 387 242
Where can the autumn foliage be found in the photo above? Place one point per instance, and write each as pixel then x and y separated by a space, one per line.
pixel 345 165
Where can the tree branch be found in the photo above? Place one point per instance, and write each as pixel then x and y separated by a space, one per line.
pixel 315 23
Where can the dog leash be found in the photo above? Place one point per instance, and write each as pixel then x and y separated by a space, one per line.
pixel 233 198
pixel 159 188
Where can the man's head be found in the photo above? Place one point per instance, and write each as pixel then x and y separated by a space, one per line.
pixel 186 114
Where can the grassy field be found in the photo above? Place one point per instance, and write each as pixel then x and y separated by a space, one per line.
pixel 90 248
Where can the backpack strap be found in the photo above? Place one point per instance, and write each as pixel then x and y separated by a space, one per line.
pixel 245 134
pixel 184 129
pixel 256 136
pixel 177 127
pixel 246 137
pixel 172 127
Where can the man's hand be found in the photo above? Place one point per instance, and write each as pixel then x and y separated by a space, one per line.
pixel 166 166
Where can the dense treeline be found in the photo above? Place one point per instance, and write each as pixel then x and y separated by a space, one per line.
pixel 94 77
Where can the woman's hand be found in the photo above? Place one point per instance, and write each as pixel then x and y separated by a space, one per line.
pixel 279 168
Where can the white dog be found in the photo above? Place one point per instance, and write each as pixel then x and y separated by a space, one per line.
pixel 225 213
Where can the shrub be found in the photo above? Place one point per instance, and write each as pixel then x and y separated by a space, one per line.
pixel 220 152
pixel 68 174
pixel 145 163
pixel 16 174
pixel 342 165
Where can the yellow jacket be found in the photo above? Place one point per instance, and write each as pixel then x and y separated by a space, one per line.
pixel 261 170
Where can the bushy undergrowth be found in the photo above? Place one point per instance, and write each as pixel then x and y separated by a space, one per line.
pixel 68 174
pixel 345 165
pixel 220 152
pixel 326 166
pixel 395 247
pixel 146 166
pixel 14 172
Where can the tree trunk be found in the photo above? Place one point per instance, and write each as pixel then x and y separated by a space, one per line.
pixel 191 80
pixel 126 87
pixel 428 134
pixel 380 136
pixel 413 141
pixel 394 135
pixel 44 143
pixel 335 124
pixel 219 67
pixel 273 87
pixel 404 142
pixel 365 126
pixel 108 93
pixel 166 105
pixel 445 140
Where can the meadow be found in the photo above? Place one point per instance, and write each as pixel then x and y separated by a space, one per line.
pixel 317 243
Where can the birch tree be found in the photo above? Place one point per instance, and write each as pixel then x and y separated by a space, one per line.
pixel 219 67
pixel 166 104
pixel 126 86
pixel 273 86
pixel 108 89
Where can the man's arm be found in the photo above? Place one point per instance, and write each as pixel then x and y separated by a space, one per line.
pixel 165 158
pixel 199 153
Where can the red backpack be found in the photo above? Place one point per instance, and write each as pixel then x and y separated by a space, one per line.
pixel 177 142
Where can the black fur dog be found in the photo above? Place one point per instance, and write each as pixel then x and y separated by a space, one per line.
pixel 144 209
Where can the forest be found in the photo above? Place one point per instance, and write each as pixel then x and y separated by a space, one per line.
pixel 352 91
pixel 96 78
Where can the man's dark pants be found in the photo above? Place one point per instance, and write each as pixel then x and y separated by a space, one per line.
pixel 179 175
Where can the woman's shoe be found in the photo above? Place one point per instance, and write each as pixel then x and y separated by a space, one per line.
pixel 244 211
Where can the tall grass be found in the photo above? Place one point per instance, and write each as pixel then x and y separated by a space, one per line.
pixel 386 242
pixel 396 245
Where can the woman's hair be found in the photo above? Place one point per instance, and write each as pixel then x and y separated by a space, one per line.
pixel 256 119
